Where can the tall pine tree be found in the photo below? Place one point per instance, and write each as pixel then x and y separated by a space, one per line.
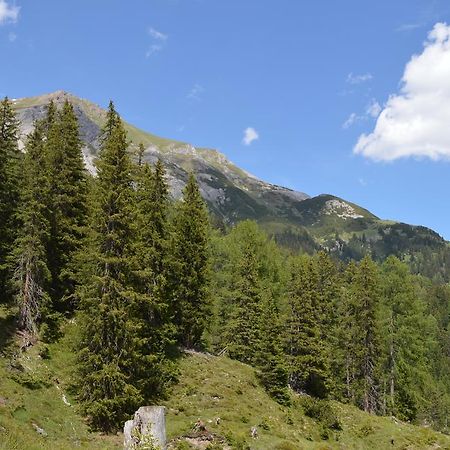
pixel 270 358
pixel 153 307
pixel 108 354
pixel 308 358
pixel 328 298
pixel 30 258
pixel 366 331
pixel 243 328
pixel 10 157
pixel 190 279
pixel 345 357
pixel 68 203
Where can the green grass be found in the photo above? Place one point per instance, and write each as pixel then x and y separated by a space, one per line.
pixel 31 392
pixel 212 387
pixel 209 387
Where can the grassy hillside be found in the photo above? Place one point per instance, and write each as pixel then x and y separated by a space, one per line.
pixel 31 395
pixel 224 394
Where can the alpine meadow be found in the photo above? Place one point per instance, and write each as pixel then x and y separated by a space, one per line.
pixel 154 295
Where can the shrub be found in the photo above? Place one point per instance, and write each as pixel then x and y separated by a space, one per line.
pixel 365 429
pixel 30 381
pixel 321 411
pixel 44 352
pixel 264 425
pixel 237 442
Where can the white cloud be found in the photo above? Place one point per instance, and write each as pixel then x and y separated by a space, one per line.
pixel 195 92
pixel 155 34
pixel 351 119
pixel 373 109
pixel 357 79
pixel 8 13
pixel 415 121
pixel 159 40
pixel 154 48
pixel 250 135
pixel 12 37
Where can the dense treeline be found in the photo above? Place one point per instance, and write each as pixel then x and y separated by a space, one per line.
pixel 368 334
pixel 144 276
pixel 424 250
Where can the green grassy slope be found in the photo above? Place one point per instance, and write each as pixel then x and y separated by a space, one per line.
pixel 32 388
pixel 31 395
pixel 212 387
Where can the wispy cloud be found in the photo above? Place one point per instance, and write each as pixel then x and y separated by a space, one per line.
pixel 358 79
pixel 195 92
pixel 351 119
pixel 250 135
pixel 12 37
pixel 372 110
pixel 8 13
pixel 154 48
pixel 159 40
pixel 415 121
pixel 155 34
pixel 409 27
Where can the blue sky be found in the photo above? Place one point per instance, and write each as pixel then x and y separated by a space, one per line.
pixel 304 79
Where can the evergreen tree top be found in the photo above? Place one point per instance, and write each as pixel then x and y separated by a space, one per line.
pixel 112 120
pixel 9 124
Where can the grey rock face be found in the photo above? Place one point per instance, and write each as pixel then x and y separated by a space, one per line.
pixel 148 425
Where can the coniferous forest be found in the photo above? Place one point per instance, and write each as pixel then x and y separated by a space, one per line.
pixel 145 277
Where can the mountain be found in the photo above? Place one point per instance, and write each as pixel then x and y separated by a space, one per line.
pixel 295 219
pixel 231 193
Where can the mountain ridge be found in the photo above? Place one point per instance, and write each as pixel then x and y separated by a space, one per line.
pixel 179 157
pixel 294 218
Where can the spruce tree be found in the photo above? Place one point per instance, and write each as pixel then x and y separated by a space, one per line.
pixel 347 337
pixel 140 154
pixel 190 266
pixel 29 257
pixel 366 330
pixel 270 358
pixel 243 328
pixel 67 208
pixel 10 160
pixel 108 353
pixel 328 298
pixel 153 311
pixel 50 118
pixel 308 359
pixel 154 230
pixel 227 259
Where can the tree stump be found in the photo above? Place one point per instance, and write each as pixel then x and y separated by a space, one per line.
pixel 147 427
